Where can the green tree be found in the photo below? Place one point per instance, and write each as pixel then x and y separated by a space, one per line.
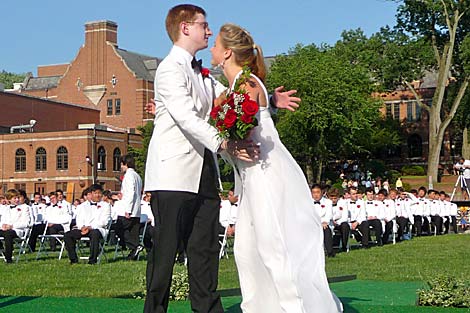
pixel 443 25
pixel 140 154
pixel 8 78
pixel 338 113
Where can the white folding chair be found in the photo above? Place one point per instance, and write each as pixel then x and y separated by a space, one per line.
pixel 102 244
pixel 223 244
pixel 143 219
pixel 59 238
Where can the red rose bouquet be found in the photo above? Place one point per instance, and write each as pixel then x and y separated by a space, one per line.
pixel 235 117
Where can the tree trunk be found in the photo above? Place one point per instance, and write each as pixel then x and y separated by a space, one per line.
pixel 309 170
pixel 320 170
pixel 465 145
pixel 433 157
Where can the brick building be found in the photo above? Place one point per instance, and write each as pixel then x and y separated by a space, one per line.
pixel 102 76
pixel 402 105
pixel 53 154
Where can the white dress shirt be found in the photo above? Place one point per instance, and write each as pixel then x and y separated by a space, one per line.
pixel 94 215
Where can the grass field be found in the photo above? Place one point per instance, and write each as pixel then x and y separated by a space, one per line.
pixel 388 278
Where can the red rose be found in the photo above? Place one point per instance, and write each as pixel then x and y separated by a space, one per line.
pixel 219 124
pixel 358 206
pixel 205 72
pixel 322 205
pixel 215 111
pixel 99 206
pixel 230 118
pixel 250 107
pixel 341 208
pixel 230 101
pixel 247 119
pixel 19 210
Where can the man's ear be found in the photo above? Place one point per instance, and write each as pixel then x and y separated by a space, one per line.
pixel 184 28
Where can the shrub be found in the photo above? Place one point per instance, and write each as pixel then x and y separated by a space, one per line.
pixel 179 289
pixel 393 175
pixel 413 170
pixel 377 167
pixel 445 292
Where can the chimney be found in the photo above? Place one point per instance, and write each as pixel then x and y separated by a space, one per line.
pixel 101 32
pixel 98 36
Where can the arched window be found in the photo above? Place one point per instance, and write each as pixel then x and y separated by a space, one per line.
pixel 101 158
pixel 117 160
pixel 41 159
pixel 62 158
pixel 415 146
pixel 20 160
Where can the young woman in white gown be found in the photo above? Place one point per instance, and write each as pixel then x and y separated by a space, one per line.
pixel 279 237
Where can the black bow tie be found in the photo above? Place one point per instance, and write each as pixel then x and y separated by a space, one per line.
pixel 335 204
pixel 316 202
pixel 93 203
pixel 54 205
pixel 353 202
pixel 196 64
pixel 12 206
pixel 370 202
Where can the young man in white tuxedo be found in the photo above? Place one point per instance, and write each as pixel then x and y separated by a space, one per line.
pixel 181 168
pixel 128 221
pixel 92 218
pixel 14 221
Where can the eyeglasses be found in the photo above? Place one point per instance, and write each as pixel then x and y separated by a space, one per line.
pixel 204 25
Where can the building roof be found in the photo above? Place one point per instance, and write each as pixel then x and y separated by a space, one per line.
pixel 143 66
pixel 15 94
pixel 45 82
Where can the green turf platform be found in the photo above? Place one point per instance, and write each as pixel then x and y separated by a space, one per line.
pixel 357 296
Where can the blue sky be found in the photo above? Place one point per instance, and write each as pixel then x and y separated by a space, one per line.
pixel 51 31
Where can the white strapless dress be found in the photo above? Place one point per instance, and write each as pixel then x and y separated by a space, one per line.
pixel 279 237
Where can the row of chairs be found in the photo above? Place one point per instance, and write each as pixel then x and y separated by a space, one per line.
pixel 22 244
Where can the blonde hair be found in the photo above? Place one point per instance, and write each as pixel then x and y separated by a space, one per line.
pixel 11 193
pixel 245 50
pixel 179 14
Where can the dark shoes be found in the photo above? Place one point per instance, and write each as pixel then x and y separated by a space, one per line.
pixel 135 253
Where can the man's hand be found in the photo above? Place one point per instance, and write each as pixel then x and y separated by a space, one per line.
pixel 284 99
pixel 128 216
pixel 325 225
pixel 150 107
pixel 85 230
pixel 354 225
pixel 244 150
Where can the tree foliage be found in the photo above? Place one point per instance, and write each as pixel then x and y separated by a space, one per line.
pixel 7 78
pixel 338 115
pixel 140 154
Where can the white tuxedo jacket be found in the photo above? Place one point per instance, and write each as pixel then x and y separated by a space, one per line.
pixel 131 190
pixel 181 132
pixel 95 216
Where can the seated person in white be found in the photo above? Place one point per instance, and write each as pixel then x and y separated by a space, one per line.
pixel 454 211
pixel 228 213
pixel 15 219
pixel 146 217
pixel 340 218
pixel 58 218
pixel 374 214
pixel 38 210
pixel 92 218
pixel 324 207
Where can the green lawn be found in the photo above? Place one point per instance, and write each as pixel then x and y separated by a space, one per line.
pixel 387 279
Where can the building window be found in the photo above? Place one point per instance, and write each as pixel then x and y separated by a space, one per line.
pixel 62 158
pixel 388 107
pixel 20 160
pixel 117 109
pixel 41 159
pixel 409 111
pixel 101 159
pixel 117 160
pixel 61 186
pixel 396 111
pixel 4 188
pixel 20 186
pixel 418 112
pixel 109 107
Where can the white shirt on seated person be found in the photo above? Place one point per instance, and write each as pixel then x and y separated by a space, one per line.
pixel 17 217
pixel 146 213
pixel 94 215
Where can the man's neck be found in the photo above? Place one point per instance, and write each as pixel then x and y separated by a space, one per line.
pixel 187 47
